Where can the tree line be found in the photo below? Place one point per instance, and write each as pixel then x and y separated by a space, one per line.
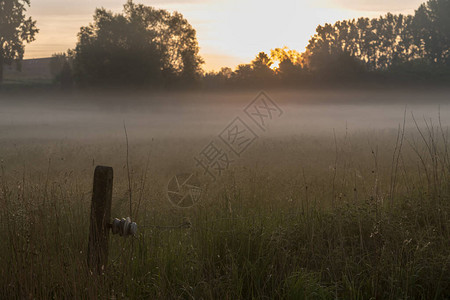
pixel 388 48
pixel 145 46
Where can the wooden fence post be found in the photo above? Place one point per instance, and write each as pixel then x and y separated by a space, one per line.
pixel 100 218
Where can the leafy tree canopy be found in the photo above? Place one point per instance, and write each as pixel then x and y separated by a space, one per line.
pixel 142 45
pixel 15 30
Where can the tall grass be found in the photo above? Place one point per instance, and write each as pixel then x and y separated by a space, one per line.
pixel 349 216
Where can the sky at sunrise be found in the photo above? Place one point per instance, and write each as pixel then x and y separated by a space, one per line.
pixel 229 32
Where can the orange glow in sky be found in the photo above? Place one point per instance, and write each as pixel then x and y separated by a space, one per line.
pixel 229 32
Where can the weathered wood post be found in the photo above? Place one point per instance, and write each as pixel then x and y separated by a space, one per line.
pixel 100 218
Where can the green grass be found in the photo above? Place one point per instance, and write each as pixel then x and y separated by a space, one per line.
pixel 302 217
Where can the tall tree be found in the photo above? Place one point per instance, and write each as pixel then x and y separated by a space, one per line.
pixel 174 37
pixel 143 45
pixel 15 30
pixel 378 42
pixel 115 50
pixel 262 73
pixel 431 26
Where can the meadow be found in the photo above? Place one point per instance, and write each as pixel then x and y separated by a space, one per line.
pixel 345 196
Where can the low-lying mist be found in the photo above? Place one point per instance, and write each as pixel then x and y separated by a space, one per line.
pixel 190 115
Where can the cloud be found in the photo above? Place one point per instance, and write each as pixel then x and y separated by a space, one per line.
pixel 53 7
pixel 69 7
pixel 381 6
pixel 161 2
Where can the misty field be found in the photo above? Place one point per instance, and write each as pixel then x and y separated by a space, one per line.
pixel 345 196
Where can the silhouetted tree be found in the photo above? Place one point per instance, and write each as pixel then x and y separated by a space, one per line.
pixel 242 75
pixel 291 68
pixel 262 60
pixel 226 72
pixel 15 30
pixel 378 42
pixel 219 79
pixel 261 71
pixel 142 46
pixel 292 74
pixel 284 54
pixel 431 27
pixel 336 66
